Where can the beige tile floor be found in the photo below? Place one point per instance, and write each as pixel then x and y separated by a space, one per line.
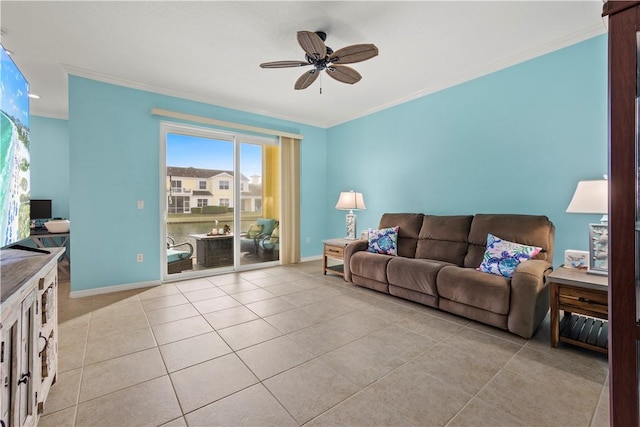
pixel 289 346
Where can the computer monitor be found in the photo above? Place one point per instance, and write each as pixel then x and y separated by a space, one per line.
pixel 40 209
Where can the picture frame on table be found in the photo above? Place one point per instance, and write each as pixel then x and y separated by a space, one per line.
pixel 599 249
pixel 575 259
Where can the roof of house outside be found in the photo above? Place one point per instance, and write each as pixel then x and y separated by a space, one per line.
pixel 189 172
pixel 201 193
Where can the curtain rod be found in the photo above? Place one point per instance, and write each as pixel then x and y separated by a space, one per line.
pixel 222 123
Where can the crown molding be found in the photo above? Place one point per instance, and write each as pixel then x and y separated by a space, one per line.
pixel 105 78
pixel 577 37
pixel 36 112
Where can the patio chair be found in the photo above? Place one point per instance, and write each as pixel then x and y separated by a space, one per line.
pixel 269 246
pixel 179 256
pixel 249 243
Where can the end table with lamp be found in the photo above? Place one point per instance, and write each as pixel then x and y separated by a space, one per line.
pixel 584 299
pixel 584 295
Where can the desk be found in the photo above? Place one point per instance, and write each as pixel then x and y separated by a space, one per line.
pixel 214 251
pixel 575 291
pixel 44 239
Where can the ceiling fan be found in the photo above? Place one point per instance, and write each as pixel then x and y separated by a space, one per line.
pixel 324 58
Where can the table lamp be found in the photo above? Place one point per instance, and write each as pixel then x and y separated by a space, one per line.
pixel 592 197
pixel 350 200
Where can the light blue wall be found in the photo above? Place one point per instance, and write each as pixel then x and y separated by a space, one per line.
pixel 50 163
pixel 114 161
pixel 515 141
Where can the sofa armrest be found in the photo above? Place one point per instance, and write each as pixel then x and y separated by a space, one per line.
pixel 529 297
pixel 350 249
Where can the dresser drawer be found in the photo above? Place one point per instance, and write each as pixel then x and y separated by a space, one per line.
pixel 582 300
pixel 334 251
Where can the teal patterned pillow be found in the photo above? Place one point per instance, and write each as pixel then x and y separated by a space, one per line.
pixel 384 241
pixel 502 257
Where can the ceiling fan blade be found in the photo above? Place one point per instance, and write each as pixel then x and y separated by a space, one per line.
pixel 354 53
pixel 283 64
pixel 312 44
pixel 344 74
pixel 306 79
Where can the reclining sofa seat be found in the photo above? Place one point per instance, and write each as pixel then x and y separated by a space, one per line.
pixel 437 261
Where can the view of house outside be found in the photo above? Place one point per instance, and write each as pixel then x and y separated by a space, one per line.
pixel 200 185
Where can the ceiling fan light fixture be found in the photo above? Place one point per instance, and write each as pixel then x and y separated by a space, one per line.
pixel 324 58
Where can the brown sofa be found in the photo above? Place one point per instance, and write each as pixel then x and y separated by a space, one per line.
pixel 437 261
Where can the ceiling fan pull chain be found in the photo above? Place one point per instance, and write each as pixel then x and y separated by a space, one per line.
pixel 320 84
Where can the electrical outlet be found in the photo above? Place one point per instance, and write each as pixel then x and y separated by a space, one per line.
pixel 140 204
pixel 139 258
pixel 308 240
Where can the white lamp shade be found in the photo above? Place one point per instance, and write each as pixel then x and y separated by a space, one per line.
pixel 350 200
pixel 590 197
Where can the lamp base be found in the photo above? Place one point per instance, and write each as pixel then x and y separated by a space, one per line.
pixel 351 225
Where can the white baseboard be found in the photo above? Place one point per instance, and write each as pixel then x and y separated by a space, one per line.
pixel 114 288
pixel 131 286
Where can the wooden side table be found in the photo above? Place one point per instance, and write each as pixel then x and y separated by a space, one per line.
pixel 334 248
pixel 584 299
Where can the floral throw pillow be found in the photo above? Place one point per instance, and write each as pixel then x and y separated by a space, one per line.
pixel 502 257
pixel 384 241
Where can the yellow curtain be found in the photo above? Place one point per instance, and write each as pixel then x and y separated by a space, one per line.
pixel 271 182
pixel 290 207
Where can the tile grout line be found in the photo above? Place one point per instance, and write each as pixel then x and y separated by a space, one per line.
pixel 469 326
pixel 485 385
pixel 84 354
pixel 597 407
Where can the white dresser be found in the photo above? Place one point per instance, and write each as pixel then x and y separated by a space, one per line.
pixel 28 333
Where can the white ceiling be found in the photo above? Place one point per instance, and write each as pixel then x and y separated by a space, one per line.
pixel 209 51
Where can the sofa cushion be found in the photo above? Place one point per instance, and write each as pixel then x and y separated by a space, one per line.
pixel 532 230
pixel 474 288
pixel 502 256
pixel 267 225
pixel 383 241
pixel 254 230
pixel 408 231
pixel 415 274
pixel 372 266
pixel 176 255
pixel 275 236
pixel 444 238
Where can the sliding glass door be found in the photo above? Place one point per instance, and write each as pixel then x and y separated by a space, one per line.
pixel 221 204
pixel 259 202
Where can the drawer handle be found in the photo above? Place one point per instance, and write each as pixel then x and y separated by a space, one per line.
pixel 24 378
pixel 333 250
pixel 587 300
pixel 46 343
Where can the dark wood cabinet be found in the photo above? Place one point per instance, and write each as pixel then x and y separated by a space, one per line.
pixel 624 236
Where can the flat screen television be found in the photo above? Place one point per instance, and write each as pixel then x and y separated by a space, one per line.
pixel 14 153
pixel 40 209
